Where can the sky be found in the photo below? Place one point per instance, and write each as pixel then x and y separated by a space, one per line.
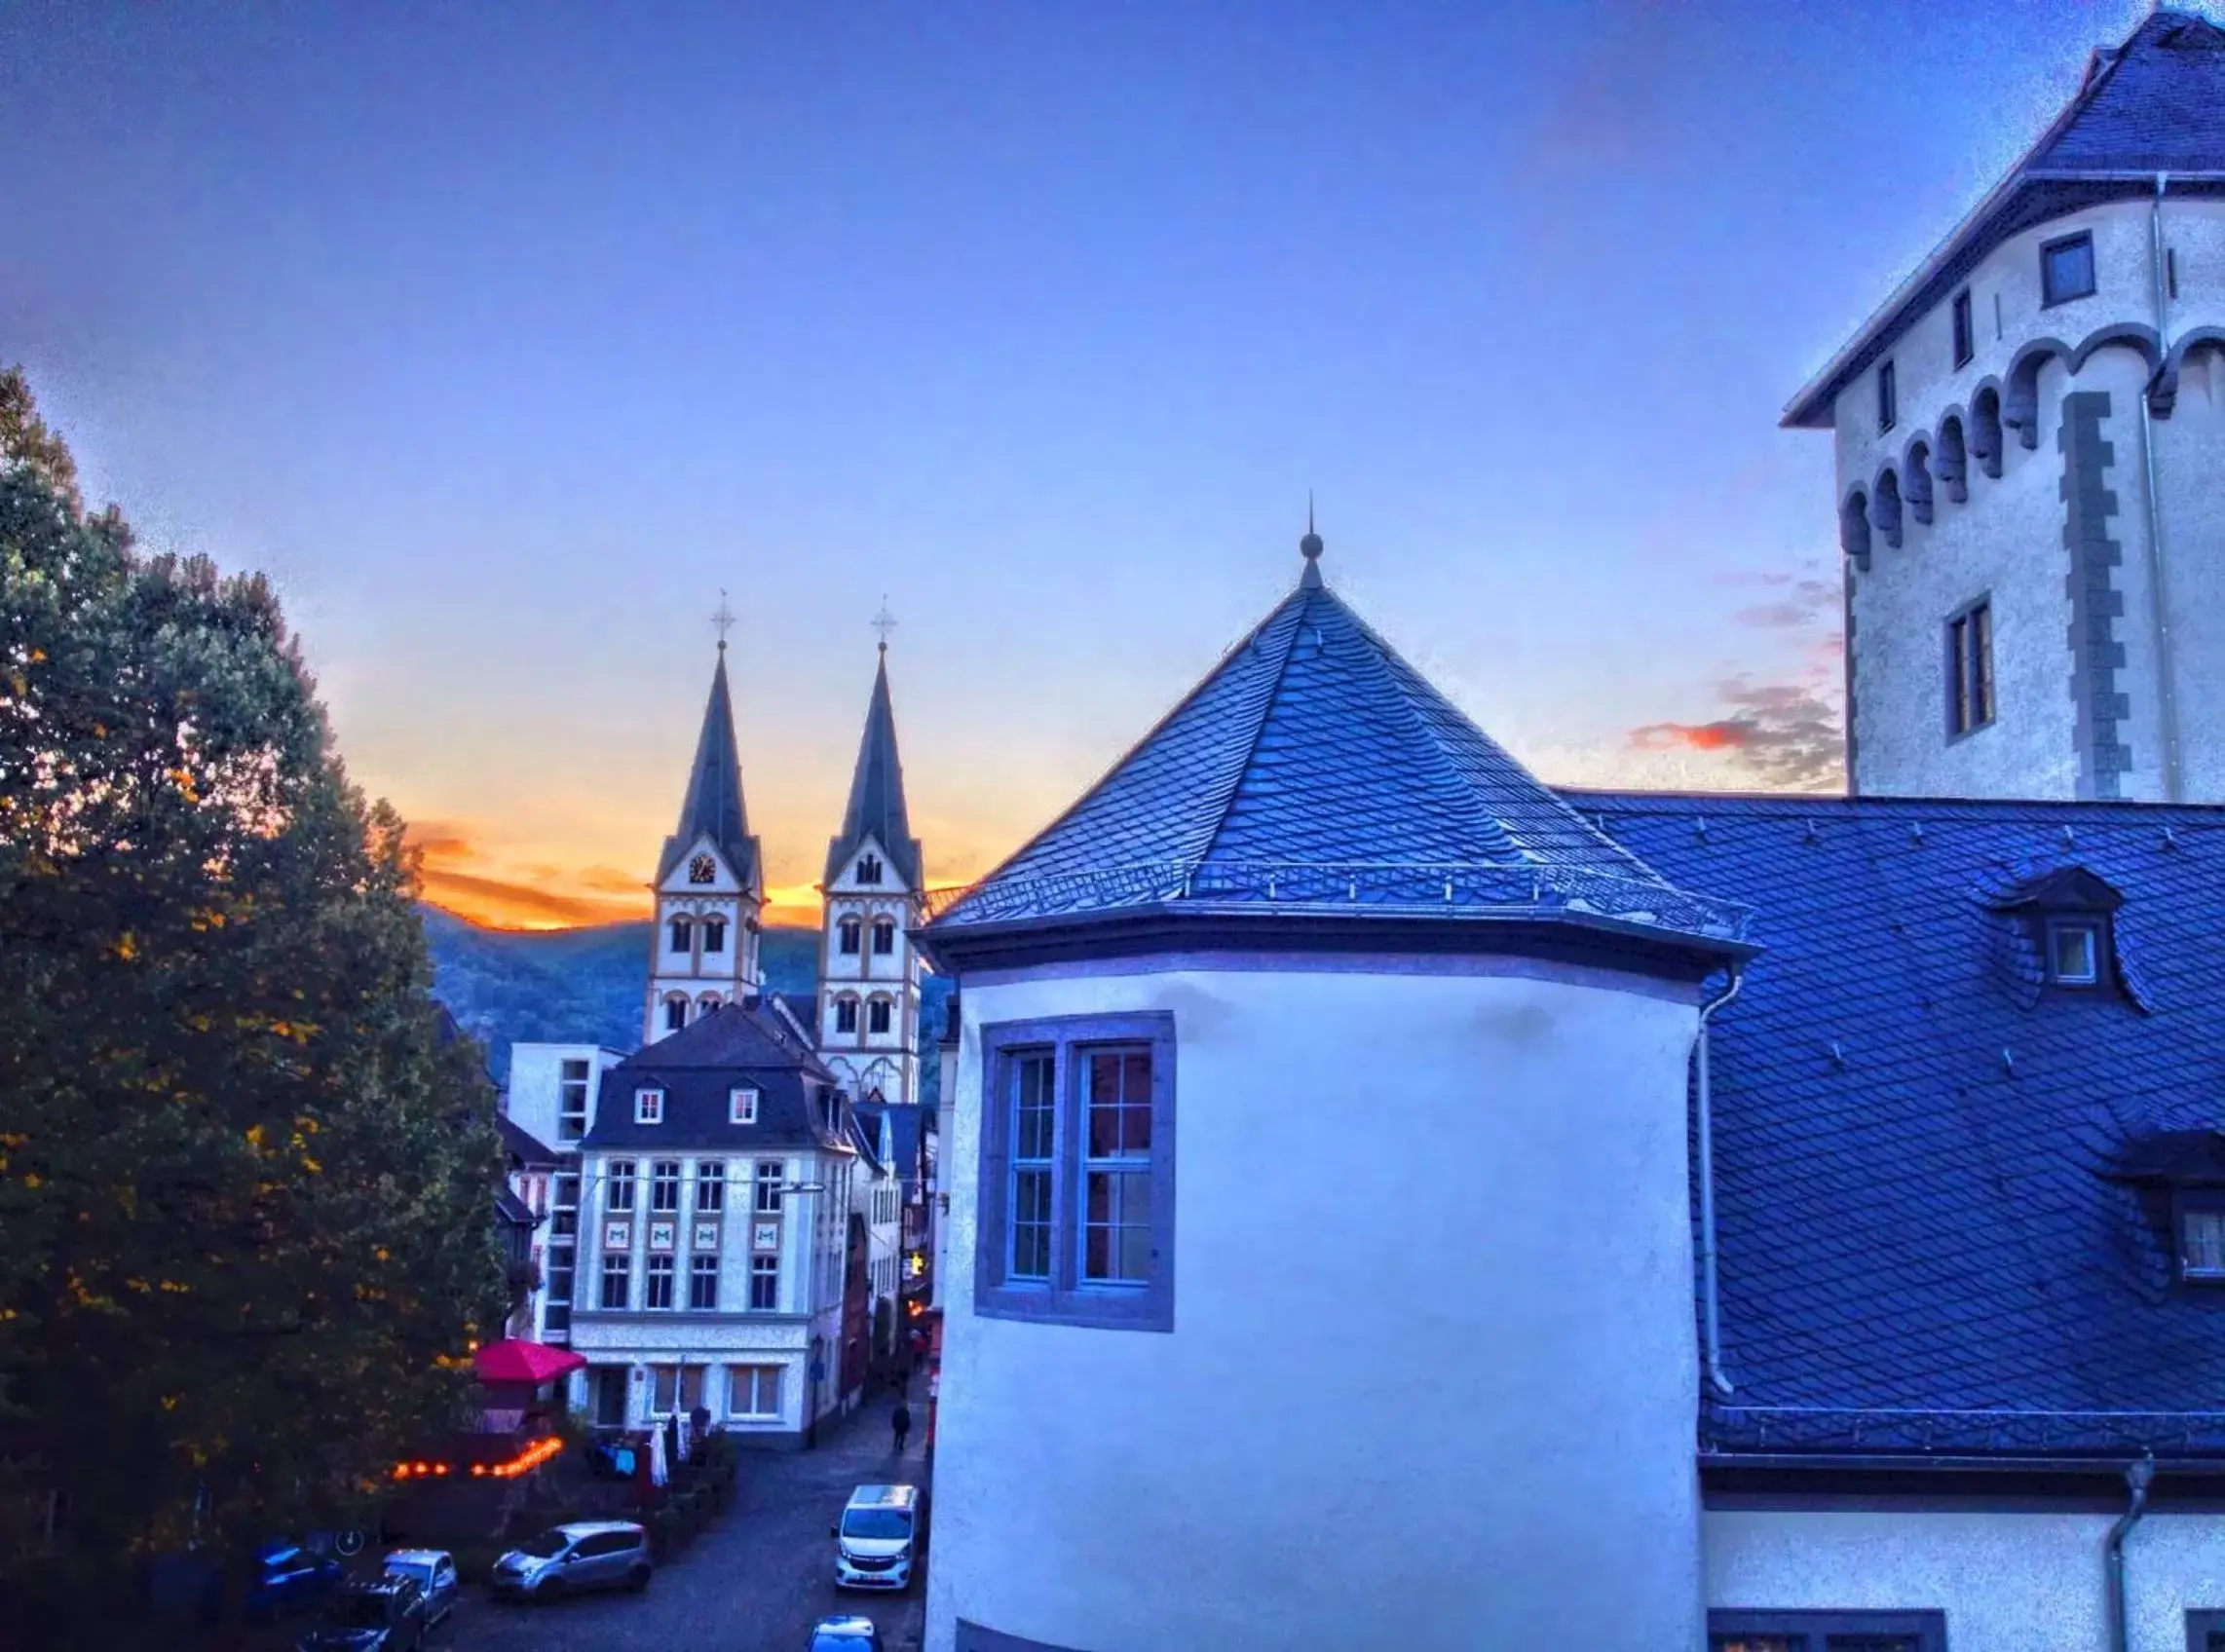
pixel 505 338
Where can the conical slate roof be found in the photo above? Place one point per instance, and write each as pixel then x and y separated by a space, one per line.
pixel 713 804
pixel 1315 771
pixel 877 794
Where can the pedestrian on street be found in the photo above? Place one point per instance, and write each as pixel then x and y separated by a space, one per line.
pixel 900 1421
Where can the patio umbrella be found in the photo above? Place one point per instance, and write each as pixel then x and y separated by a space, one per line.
pixel 529 1363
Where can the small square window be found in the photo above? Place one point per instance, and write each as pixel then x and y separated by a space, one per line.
pixel 741 1106
pixel 1964 345
pixel 2074 954
pixel 1888 399
pixel 2066 270
pixel 2201 1241
pixel 649 1106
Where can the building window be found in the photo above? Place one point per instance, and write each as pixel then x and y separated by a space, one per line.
pixel 714 934
pixel 1888 399
pixel 675 1013
pixel 617 1280
pixel 1826 1632
pixel 649 1106
pixel 846 933
pixel 877 1016
pixel 753 1391
pixel 869 869
pixel 763 1283
pixel 660 1293
pixel 710 1186
pixel 741 1106
pixel 1077 1222
pixel 1965 345
pixel 678 933
pixel 703 1283
pixel 2201 1241
pixel 1970 669
pixel 884 936
pixel 2074 953
pixel 704 1005
pixel 618 1190
pixel 2066 270
pixel 676 1388
pixel 572 1102
pixel 2205 1632
pixel 845 1015
pixel 665 1184
pixel 771 1173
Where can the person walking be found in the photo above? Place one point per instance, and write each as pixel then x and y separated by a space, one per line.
pixel 900 1423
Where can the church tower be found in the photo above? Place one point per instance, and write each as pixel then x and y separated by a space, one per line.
pixel 710 886
pixel 874 893
pixel 2031 498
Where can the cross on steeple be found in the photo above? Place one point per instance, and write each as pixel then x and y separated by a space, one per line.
pixel 723 620
pixel 883 623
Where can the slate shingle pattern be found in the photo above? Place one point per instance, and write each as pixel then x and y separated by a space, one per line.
pixel 2158 106
pixel 1922 1245
pixel 876 806
pixel 1314 769
pixel 738 1043
pixel 713 804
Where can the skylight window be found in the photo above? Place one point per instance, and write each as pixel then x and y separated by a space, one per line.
pixel 2074 953
pixel 2202 1242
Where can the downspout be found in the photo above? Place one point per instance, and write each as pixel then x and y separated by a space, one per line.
pixel 2136 1477
pixel 2158 579
pixel 1703 1109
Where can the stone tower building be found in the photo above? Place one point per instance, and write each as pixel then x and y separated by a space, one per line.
pixel 2031 462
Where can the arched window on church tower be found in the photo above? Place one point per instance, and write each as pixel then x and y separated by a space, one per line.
pixel 869 869
pixel 680 933
pixel 714 934
pixel 884 935
pixel 845 1015
pixel 705 1004
pixel 876 1015
pixel 675 1013
pixel 846 935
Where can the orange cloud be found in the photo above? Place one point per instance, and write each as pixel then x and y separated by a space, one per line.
pixel 459 871
pixel 1725 734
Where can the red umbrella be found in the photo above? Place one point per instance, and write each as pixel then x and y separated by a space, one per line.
pixel 533 1362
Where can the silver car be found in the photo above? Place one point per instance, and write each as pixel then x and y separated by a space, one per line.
pixel 571 1559
pixel 433 1570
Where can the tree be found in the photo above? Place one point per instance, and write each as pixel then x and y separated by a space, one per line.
pixel 245 1164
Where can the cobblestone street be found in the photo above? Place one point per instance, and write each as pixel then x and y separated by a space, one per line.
pixel 754 1581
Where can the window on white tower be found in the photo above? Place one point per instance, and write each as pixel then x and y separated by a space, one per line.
pixel 572 1102
pixel 869 869
pixel 847 935
pixel 675 1013
pixel 845 1015
pixel 877 1016
pixel 884 936
pixel 714 934
pixel 679 936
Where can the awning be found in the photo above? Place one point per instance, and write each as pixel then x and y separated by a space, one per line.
pixel 513 1361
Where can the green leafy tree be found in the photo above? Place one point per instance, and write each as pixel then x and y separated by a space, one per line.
pixel 246 1163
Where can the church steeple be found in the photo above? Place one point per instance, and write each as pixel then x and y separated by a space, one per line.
pixel 710 887
pixel 876 793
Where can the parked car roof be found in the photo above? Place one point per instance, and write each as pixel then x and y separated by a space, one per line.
pixel 418 1557
pixel 592 1528
pixel 883 1496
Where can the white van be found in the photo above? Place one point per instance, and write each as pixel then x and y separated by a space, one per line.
pixel 881 1530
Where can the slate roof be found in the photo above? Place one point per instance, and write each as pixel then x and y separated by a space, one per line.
pixel 713 806
pixel 2154 105
pixel 876 808
pixel 1314 770
pixel 522 1145
pixel 906 1123
pixel 743 1043
pixel 1934 1231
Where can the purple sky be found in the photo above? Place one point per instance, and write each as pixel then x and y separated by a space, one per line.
pixel 504 337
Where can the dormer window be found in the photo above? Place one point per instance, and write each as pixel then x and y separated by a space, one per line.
pixel 869 869
pixel 2202 1239
pixel 2074 951
pixel 649 1106
pixel 741 1106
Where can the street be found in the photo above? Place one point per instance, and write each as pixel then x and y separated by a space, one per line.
pixel 753 1581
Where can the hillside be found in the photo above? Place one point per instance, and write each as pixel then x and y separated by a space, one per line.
pixel 586 986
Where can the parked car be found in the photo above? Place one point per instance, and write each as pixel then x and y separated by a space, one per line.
pixel 433 1571
pixel 385 1616
pixel 570 1559
pixel 879 1537
pixel 845 1635
pixel 288 1579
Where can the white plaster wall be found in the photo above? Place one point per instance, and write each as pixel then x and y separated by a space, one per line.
pixel 2008 1581
pixel 535 1079
pixel 1434 1352
pixel 2190 465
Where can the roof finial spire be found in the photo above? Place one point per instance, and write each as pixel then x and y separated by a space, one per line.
pixel 1310 548
pixel 723 620
pixel 885 622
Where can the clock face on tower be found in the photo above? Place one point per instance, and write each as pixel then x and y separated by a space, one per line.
pixel 702 870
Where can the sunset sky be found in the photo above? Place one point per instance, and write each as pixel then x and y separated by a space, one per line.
pixel 506 337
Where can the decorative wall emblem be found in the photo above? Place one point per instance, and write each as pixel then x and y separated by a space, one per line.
pixel 706 1235
pixel 663 1235
pixel 618 1236
pixel 766 1237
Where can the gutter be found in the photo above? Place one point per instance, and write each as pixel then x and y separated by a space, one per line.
pixel 2136 1479
pixel 2158 587
pixel 1703 1108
